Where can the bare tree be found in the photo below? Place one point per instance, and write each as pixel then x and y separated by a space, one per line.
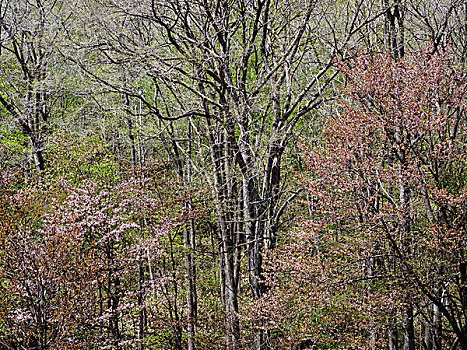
pixel 29 32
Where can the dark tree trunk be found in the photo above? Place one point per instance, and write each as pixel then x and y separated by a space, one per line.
pixel 408 328
pixel 394 28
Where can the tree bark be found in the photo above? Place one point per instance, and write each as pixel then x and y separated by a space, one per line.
pixel 394 28
pixel 188 240
pixel 141 309
pixel 392 338
pixel 408 328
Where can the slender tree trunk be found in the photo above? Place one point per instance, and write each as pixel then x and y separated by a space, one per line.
pixel 464 34
pixel 405 235
pixel 463 296
pixel 392 338
pixel 33 129
pixel 113 298
pixel 221 163
pixel 141 310
pixel 188 234
pixel 231 296
pixel 190 272
pixel 428 331
pixel 394 28
pixel 408 328
pixel 437 329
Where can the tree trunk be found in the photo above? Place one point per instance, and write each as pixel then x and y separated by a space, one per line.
pixel 464 35
pixel 392 338
pixel 36 149
pixel 428 331
pixel 394 28
pixel 222 164
pixel 408 328
pixel 188 239
pixel 437 329
pixel 141 310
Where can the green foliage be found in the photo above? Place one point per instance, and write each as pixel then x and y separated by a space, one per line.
pixel 13 147
pixel 12 139
pixel 454 178
pixel 77 158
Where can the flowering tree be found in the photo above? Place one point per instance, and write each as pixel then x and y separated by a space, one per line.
pixel 387 188
pixel 78 267
pixel 46 279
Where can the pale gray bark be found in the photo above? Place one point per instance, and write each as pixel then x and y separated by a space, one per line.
pixel 28 51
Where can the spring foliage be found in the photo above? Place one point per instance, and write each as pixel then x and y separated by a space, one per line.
pixel 387 191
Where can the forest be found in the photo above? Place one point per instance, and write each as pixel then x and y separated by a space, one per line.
pixel 233 174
